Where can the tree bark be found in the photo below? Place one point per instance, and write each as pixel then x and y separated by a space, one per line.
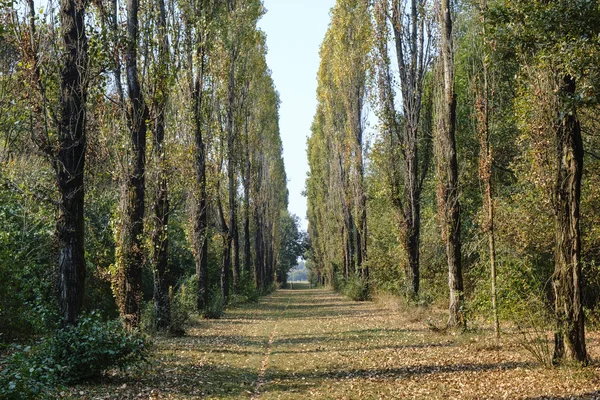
pixel 160 239
pixel 200 228
pixel 448 202
pixel 408 26
pixel 567 285
pixel 259 277
pixel 232 241
pixel 70 159
pixel 485 169
pixel 130 254
pixel 247 174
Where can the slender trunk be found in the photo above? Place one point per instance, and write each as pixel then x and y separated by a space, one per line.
pixel 448 203
pixel 130 242
pixel 412 212
pixel 226 255
pixel 345 250
pixel 360 196
pixel 570 332
pixel 201 217
pixel 69 161
pixel 200 226
pixel 232 241
pixel 258 257
pixel 408 28
pixel 160 240
pixel 235 255
pixel 485 173
pixel 258 234
pixel 247 173
pixel 411 246
pixel 492 249
pixel 225 268
pixel 247 248
pixel 485 169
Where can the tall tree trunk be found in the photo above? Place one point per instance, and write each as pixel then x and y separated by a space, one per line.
pixel 247 248
pixel 235 254
pixel 259 276
pixel 485 173
pixel 232 232
pixel 448 204
pixel 485 169
pixel 259 256
pixel 130 255
pixel 160 240
pixel 408 26
pixel 570 332
pixel 225 269
pixel 200 227
pixel 412 212
pixel 70 159
pixel 360 198
pixel 226 256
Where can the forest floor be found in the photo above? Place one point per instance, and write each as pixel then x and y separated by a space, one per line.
pixel 297 344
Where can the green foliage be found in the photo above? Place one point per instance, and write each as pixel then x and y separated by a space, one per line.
pixel 26 270
pixel 357 288
pixel 93 346
pixel 246 293
pixel 27 374
pixel 99 251
pixel 215 307
pixel 72 354
pixel 182 304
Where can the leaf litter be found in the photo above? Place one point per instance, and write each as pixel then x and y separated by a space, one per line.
pixel 320 345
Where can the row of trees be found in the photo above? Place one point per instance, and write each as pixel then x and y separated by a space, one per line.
pixel 148 132
pixel 476 159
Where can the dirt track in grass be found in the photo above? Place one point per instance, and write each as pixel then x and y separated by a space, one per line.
pixel 297 344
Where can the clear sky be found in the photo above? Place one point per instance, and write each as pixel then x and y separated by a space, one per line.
pixel 295 30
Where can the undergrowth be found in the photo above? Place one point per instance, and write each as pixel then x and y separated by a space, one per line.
pixel 74 353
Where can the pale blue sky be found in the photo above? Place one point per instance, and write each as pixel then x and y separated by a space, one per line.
pixel 295 30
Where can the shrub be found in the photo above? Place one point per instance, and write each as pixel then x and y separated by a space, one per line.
pixel 183 304
pixel 92 346
pixel 25 374
pixel 357 288
pixel 214 308
pixel 73 353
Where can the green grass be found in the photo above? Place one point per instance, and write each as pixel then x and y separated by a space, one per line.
pixel 325 346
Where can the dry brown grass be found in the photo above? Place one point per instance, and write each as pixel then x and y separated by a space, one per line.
pixel 327 347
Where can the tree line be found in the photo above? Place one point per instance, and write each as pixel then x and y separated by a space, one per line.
pixel 141 162
pixel 447 159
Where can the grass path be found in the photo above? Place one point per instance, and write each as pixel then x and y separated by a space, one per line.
pixel 297 344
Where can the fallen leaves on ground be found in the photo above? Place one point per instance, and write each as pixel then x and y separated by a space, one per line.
pixel 328 347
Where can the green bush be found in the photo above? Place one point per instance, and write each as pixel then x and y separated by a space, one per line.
pixel 26 267
pixel 214 308
pixel 27 374
pixel 183 304
pixel 73 353
pixel 92 346
pixel 357 288
pixel 246 293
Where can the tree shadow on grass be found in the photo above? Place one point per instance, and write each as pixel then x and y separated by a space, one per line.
pixel 194 381
pixel 586 396
pixel 370 348
pixel 303 381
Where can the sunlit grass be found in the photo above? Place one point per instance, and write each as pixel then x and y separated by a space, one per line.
pixel 327 347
